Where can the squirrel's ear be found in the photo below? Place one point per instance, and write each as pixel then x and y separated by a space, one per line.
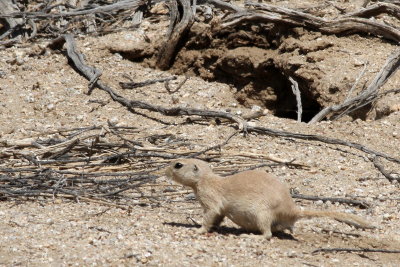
pixel 195 168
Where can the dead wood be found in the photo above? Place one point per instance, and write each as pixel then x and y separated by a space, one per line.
pixel 392 91
pixel 103 159
pixel 44 20
pixel 385 173
pixel 353 202
pixel 342 25
pixel 218 147
pixel 173 17
pixel 10 42
pixel 323 139
pixel 24 180
pixel 296 92
pixel 91 200
pixel 262 165
pixel 77 58
pixel 177 30
pixel 120 5
pixel 86 167
pixel 132 85
pixel 359 250
pixel 178 87
pixel 340 232
pixel 366 2
pixel 357 81
pixel 90 74
pixel 377 9
pixel 58 154
pixel 223 5
pixel 62 177
pixel 366 96
pixel 7 7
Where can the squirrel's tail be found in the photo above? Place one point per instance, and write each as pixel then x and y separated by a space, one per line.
pixel 349 219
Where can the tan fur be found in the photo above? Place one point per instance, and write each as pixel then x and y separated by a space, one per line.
pixel 254 200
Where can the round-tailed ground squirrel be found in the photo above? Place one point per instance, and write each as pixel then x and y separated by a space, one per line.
pixel 255 200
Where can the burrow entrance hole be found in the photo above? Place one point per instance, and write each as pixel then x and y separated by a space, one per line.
pixel 248 60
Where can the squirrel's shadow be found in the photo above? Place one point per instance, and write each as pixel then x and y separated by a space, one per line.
pixel 224 230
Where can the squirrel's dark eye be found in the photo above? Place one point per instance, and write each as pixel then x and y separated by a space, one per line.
pixel 195 168
pixel 178 165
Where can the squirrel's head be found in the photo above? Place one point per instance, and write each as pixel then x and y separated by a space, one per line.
pixel 188 171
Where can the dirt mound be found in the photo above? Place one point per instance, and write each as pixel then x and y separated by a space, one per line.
pixel 257 61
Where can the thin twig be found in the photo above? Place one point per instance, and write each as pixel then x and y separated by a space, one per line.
pixel 219 146
pixel 89 72
pixel 258 166
pixel 168 88
pixel 181 21
pixel 296 92
pixel 385 173
pixel 362 250
pixel 132 85
pixel 390 67
pixel 120 5
pixel 357 80
pixel 361 204
pixel 320 138
pixel 290 17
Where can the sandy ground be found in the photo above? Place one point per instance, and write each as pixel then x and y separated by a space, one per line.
pixel 43 93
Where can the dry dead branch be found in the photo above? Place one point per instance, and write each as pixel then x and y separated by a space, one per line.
pixel 357 250
pixel 296 92
pixel 361 204
pixel 93 164
pixel 88 72
pixel 178 87
pixel 377 9
pixel 77 167
pixel 385 173
pixel 366 96
pixel 357 81
pixel 265 13
pixel 132 84
pixel 323 139
pixel 178 28
pixel 7 7
pixel 224 5
pixel 45 19
pixel 120 5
